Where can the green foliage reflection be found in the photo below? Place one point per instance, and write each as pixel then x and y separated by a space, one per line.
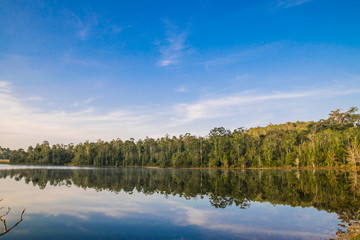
pixel 333 191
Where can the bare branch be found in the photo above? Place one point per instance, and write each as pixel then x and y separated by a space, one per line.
pixel 6 230
pixel 5 213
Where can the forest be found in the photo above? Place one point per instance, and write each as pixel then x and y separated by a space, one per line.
pixel 5 153
pixel 331 142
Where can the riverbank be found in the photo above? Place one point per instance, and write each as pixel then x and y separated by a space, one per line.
pixel 352 232
pixel 289 168
pixel 285 168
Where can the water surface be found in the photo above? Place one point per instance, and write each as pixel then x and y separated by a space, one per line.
pixel 135 203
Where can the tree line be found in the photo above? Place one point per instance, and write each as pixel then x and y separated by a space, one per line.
pixel 328 142
pixel 5 153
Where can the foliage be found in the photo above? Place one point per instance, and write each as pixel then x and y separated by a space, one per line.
pixel 5 153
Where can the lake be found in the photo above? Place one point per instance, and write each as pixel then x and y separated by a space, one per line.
pixel 142 203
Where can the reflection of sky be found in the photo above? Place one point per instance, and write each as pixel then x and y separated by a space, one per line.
pixel 5 166
pixel 73 212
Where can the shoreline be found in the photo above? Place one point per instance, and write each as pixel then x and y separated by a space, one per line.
pixel 346 168
pixel 352 232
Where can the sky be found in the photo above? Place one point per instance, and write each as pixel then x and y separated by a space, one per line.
pixel 72 71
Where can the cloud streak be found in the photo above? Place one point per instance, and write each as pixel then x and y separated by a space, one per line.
pixel 290 3
pixel 5 87
pixel 181 89
pixel 237 56
pixel 83 26
pixel 174 47
pixel 223 106
pixel 84 102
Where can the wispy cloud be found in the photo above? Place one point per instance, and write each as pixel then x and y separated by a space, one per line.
pixel 290 3
pixel 174 47
pixel 237 56
pixel 83 102
pixel 34 98
pixel 70 59
pixel 181 89
pixel 83 26
pixel 5 87
pixel 118 29
pixel 224 106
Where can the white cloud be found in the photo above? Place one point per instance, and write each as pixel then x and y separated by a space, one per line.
pixel 5 87
pixel 174 47
pixel 23 125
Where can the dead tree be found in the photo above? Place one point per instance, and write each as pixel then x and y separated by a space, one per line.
pixel 6 229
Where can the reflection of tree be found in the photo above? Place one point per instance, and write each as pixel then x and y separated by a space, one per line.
pixel 333 191
pixel 3 220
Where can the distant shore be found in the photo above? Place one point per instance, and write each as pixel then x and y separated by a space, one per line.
pixel 237 168
pixel 347 168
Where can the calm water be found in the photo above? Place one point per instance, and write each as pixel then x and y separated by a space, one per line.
pixel 108 203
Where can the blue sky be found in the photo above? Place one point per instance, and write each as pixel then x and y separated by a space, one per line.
pixel 72 71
